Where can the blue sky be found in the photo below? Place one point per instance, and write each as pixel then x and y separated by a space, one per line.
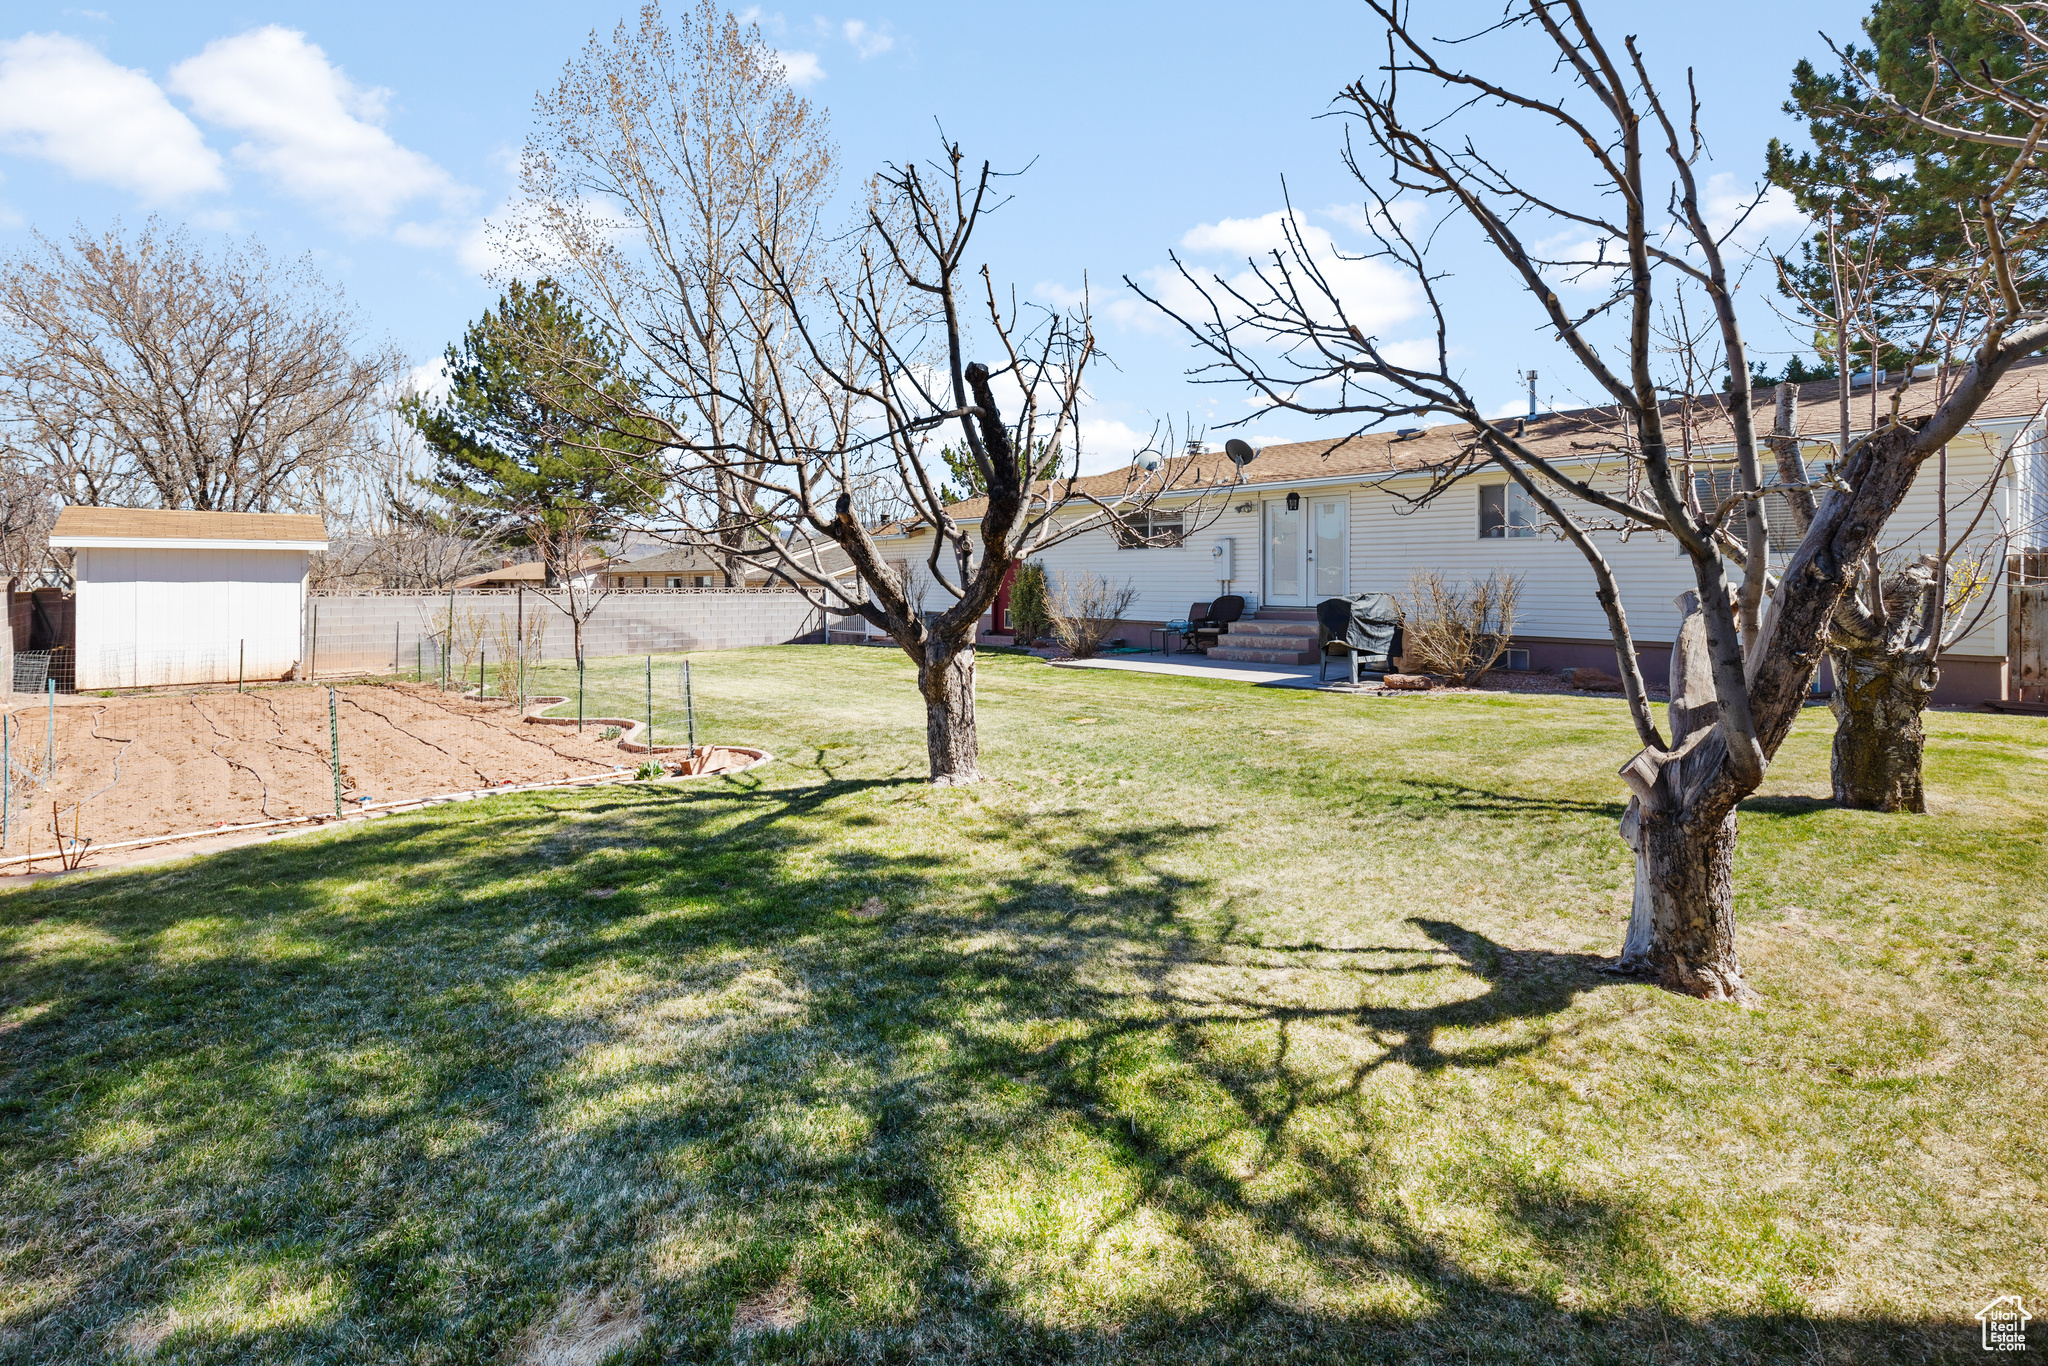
pixel 378 136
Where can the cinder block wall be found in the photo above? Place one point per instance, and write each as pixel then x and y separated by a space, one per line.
pixel 367 632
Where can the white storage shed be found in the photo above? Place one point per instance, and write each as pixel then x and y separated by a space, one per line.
pixel 187 597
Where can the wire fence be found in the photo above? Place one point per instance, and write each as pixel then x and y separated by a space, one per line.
pixel 95 772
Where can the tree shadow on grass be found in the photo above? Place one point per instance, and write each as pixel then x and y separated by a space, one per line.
pixel 1422 797
pixel 421 1083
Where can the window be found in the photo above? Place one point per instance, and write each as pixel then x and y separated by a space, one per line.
pixel 1714 487
pixel 675 581
pixel 701 581
pixel 1148 530
pixel 1505 510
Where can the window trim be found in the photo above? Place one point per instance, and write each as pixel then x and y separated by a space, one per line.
pixel 1520 518
pixel 1159 522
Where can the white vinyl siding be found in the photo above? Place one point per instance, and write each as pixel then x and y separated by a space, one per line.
pixel 149 617
pixel 1391 538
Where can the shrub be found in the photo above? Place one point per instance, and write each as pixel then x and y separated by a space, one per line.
pixel 1460 630
pixel 1085 609
pixel 1030 615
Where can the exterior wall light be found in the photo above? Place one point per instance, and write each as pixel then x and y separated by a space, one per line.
pixel 1294 502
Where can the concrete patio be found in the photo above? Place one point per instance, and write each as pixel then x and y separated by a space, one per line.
pixel 1200 666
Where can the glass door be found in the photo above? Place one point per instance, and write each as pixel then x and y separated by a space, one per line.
pixel 1330 553
pixel 1286 556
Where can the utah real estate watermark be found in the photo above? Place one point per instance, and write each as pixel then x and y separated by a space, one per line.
pixel 2005 1324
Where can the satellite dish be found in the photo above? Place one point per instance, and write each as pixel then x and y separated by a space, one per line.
pixel 1240 452
pixel 1147 460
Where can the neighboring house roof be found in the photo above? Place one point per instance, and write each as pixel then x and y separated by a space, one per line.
pixel 525 572
pixel 1570 436
pixel 85 527
pixel 669 562
pixel 829 559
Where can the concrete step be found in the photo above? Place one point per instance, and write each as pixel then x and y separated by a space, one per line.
pixel 1246 655
pixel 1285 614
pixel 1275 628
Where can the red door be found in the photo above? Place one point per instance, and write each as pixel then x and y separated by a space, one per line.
pixel 999 618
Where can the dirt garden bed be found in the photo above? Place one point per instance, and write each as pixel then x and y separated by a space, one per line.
pixel 143 765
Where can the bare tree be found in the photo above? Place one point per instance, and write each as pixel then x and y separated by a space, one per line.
pixel 151 372
pixel 1743 661
pixel 878 366
pixel 27 514
pixel 663 157
pixel 387 526
pixel 1899 616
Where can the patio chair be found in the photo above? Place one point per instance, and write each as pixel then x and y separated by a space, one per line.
pixel 1363 626
pixel 1196 612
pixel 1214 622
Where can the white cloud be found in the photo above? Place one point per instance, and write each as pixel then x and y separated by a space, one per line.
pixel 1375 295
pixel 311 131
pixel 801 68
pixel 1059 295
pixel 1109 443
pixel 65 102
pixel 1727 200
pixel 430 381
pixel 866 41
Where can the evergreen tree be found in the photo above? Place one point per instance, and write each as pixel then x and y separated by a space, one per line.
pixel 521 443
pixel 1900 199
pixel 966 481
pixel 528 442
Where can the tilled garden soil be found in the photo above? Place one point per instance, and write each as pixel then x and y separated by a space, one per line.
pixel 156 764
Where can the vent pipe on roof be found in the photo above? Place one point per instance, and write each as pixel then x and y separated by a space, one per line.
pixel 1532 393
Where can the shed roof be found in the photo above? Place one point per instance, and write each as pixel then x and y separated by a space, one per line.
pixel 95 526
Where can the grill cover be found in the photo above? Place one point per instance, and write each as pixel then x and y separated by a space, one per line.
pixel 1369 623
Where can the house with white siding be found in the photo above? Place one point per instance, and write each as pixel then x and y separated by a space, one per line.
pixel 187 597
pixel 1306 521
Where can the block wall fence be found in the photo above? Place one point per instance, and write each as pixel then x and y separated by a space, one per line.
pixel 369 632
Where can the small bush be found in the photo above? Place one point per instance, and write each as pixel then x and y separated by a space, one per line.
pixel 1030 614
pixel 1085 609
pixel 650 769
pixel 1459 630
pixel 609 733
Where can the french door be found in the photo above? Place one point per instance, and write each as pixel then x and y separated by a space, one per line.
pixel 1307 550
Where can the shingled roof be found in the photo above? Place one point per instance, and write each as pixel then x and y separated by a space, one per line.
pixel 1564 437
pixel 89 525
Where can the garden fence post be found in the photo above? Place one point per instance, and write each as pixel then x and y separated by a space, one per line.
pixel 334 748
pixel 50 737
pixel 483 658
pixel 313 647
pixel 690 710
pixel 6 775
pixel 649 737
pixel 419 660
pixel 394 647
pixel 241 665
pixel 579 695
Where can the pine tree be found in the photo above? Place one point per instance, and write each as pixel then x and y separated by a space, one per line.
pixel 526 442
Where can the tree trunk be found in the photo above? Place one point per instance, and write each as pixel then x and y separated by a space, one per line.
pixel 1879 742
pixel 1681 929
pixel 1884 664
pixel 1681 933
pixel 947 683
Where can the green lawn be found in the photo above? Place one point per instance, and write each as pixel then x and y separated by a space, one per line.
pixel 1220 1024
